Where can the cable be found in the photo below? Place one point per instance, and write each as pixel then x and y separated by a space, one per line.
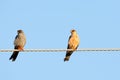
pixel 62 50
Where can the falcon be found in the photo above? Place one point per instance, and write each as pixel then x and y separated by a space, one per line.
pixel 73 44
pixel 19 43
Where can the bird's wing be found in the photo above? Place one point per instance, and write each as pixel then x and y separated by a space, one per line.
pixel 68 47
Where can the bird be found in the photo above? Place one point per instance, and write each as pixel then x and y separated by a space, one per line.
pixel 73 44
pixel 19 43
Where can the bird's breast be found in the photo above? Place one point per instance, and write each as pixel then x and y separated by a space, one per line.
pixel 20 41
pixel 74 42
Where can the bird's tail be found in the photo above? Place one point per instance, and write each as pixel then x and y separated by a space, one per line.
pixel 68 54
pixel 14 56
pixel 66 59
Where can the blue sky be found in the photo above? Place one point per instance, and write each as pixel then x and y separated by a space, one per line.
pixel 47 24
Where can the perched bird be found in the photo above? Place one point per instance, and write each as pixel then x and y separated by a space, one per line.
pixel 19 43
pixel 73 44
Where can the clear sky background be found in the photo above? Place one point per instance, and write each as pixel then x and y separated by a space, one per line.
pixel 47 25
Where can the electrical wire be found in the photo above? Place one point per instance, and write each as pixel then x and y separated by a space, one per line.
pixel 62 50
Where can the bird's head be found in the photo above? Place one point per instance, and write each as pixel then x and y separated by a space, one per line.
pixel 73 31
pixel 20 31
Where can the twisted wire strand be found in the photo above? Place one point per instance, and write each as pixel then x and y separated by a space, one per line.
pixel 62 50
